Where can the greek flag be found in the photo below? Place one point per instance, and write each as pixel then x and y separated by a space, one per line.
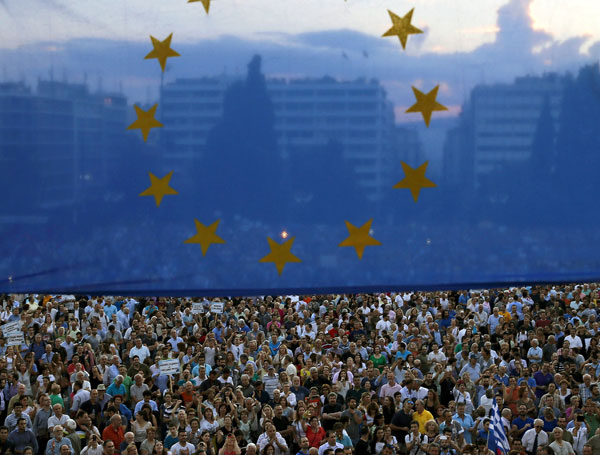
pixel 498 441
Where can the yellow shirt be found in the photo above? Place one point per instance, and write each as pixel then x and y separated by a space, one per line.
pixel 507 317
pixel 422 418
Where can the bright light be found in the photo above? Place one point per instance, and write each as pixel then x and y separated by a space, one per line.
pixel 284 234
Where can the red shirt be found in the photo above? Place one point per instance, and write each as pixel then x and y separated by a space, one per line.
pixel 314 439
pixel 117 436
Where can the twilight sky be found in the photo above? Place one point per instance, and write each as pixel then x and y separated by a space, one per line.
pixel 466 42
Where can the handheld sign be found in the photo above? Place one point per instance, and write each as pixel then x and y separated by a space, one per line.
pixel 169 366
pixel 15 339
pixel 10 328
pixel 197 307
pixel 216 307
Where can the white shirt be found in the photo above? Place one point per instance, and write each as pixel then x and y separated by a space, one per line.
pixel 579 438
pixel 439 357
pixel 263 440
pixel 564 449
pixel 574 342
pixel 177 447
pixel 417 449
pixel 53 421
pixel 80 397
pixel 142 353
pixel 383 325
pixel 529 438
pixel 326 446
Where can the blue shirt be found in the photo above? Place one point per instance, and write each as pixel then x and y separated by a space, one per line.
pixel 467 424
pixel 530 382
pixel 57 446
pixel 23 439
pixel 114 390
pixel 274 347
pixel 109 310
pixel 520 423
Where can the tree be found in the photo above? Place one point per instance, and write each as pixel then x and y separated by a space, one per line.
pixel 323 185
pixel 578 144
pixel 242 164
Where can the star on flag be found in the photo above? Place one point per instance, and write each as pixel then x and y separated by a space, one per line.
pixel 205 235
pixel 145 121
pixel 159 187
pixel 162 51
pixel 402 27
pixel 280 254
pixel 415 180
pixel 206 4
pixel 426 104
pixel 359 237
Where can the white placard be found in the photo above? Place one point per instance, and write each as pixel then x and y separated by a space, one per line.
pixel 216 307
pixel 197 307
pixel 15 339
pixel 169 366
pixel 11 327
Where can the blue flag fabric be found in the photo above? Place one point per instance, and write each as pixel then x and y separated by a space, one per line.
pixel 328 160
pixel 498 441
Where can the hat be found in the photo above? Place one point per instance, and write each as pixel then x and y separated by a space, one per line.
pixel 270 367
pixel 101 387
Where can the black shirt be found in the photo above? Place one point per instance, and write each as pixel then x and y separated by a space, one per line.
pixel 282 423
pixel 6 446
pixel 363 447
pixel 330 409
pixel 401 419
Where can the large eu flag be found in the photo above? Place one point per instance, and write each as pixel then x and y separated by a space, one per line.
pixel 230 148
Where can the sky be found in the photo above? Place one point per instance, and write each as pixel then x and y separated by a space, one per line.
pixel 456 26
pixel 465 42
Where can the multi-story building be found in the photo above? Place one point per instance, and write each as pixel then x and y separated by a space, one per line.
pixel 57 142
pixel 308 113
pixel 498 126
pixel 505 117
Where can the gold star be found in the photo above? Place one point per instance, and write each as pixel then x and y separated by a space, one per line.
pixel 159 187
pixel 402 27
pixel 162 51
pixel 426 104
pixel 206 4
pixel 205 235
pixel 415 179
pixel 145 121
pixel 280 254
pixel 359 238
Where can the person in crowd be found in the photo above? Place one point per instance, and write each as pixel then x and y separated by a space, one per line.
pixel 401 373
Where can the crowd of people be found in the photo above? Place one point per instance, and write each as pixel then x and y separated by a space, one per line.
pixel 411 373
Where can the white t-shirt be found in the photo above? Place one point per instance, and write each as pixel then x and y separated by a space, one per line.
pixel 417 449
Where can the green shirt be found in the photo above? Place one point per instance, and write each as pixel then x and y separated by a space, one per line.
pixel 54 399
pixel 593 422
pixel 379 363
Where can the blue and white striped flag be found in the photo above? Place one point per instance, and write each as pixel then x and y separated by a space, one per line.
pixel 498 440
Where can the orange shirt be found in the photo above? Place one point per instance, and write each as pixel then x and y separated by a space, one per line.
pixel 117 436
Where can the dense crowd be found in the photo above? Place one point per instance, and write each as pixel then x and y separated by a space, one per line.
pixel 412 373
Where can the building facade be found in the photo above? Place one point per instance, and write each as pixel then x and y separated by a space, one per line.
pixel 56 142
pixel 308 113
pixel 505 118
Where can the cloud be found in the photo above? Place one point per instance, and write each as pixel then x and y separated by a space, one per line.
pixel 517 49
